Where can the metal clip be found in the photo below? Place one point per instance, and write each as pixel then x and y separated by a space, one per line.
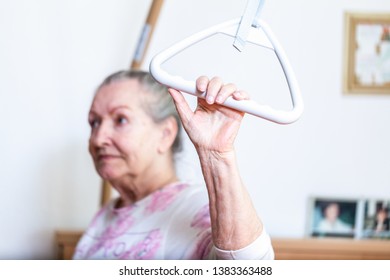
pixel 249 19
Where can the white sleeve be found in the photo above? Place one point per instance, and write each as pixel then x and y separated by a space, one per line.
pixel 260 249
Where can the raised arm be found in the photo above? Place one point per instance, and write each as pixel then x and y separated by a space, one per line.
pixel 212 129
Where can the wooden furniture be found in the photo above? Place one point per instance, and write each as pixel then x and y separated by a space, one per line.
pixel 66 241
pixel 331 249
pixel 285 249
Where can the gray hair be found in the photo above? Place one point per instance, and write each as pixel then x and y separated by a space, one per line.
pixel 160 107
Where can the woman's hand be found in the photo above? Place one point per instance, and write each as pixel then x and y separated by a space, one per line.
pixel 212 127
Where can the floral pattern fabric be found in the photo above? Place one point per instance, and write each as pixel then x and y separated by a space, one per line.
pixel 172 223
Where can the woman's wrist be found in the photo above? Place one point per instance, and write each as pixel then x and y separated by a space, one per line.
pixel 208 155
pixel 219 169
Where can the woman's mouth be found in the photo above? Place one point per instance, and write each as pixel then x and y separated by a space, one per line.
pixel 106 157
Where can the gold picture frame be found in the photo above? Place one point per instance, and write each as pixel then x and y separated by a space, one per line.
pixel 367 53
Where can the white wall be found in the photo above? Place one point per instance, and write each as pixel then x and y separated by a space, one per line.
pixel 52 56
pixel 54 53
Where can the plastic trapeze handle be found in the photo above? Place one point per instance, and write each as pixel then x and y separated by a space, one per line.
pixel 249 106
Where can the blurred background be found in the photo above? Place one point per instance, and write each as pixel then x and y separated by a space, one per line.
pixel 53 54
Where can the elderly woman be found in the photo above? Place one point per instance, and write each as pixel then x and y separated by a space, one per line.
pixel 135 131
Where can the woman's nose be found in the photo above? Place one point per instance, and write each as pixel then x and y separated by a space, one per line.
pixel 101 135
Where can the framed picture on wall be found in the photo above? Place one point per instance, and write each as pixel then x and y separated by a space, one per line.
pixel 333 217
pixel 367 53
pixel 376 219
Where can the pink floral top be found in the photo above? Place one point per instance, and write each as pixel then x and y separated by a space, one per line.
pixel 172 223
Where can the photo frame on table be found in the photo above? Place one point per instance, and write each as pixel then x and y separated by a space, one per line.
pixel 333 217
pixel 367 53
pixel 376 223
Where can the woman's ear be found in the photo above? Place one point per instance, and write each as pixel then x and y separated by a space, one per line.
pixel 168 135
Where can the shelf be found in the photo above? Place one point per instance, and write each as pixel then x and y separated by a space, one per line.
pixel 331 249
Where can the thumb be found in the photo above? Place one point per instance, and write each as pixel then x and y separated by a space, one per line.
pixel 182 106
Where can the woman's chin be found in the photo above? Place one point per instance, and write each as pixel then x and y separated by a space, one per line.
pixel 108 174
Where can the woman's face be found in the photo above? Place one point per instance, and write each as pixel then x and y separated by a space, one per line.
pixel 124 138
pixel 332 212
pixel 382 215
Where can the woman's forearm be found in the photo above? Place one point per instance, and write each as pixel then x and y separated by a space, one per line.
pixel 235 223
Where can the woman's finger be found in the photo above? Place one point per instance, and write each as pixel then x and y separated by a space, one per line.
pixel 201 83
pixel 213 89
pixel 226 91
pixel 240 95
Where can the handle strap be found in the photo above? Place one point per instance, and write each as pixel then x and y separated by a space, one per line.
pixel 229 28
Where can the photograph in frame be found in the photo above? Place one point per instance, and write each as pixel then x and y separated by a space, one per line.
pixel 333 217
pixel 367 53
pixel 376 223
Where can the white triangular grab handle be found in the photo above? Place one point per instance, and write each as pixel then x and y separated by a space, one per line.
pixel 266 39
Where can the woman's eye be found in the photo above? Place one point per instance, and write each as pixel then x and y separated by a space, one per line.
pixel 121 120
pixel 94 123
